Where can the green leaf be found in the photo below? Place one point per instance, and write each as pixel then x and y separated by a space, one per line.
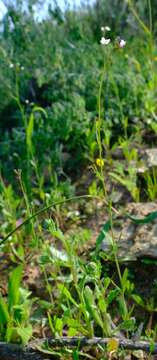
pixel 102 235
pixel 138 300
pixel 148 218
pixel 112 295
pixel 91 306
pixel 40 109
pixel 125 282
pixel 59 326
pixel 11 334
pixel 107 282
pixel 122 307
pixel 13 287
pixel 75 355
pixel 128 325
pixel 72 332
pixel 50 323
pixel 120 179
pixel 30 127
pixel 29 132
pixel 4 314
pixel 67 294
pixel 25 333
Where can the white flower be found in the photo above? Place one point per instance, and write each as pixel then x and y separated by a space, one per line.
pixel 105 28
pixel 122 43
pixel 11 65
pixel 27 101
pixel 22 68
pixel 104 41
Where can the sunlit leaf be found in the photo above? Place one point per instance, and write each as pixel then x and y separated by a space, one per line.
pixel 14 285
pixel 25 333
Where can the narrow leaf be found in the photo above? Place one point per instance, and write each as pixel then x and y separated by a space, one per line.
pixel 4 314
pixel 14 286
pixel 29 132
pixel 67 294
pixel 148 218
pixel 102 235
pixel 75 355
pixel 91 306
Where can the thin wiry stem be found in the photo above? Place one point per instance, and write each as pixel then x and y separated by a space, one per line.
pixel 28 219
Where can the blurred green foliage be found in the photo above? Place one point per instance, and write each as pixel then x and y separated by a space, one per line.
pixel 56 64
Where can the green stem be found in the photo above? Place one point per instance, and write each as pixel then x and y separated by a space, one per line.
pixel 98 127
pixel 150 16
pixel 141 23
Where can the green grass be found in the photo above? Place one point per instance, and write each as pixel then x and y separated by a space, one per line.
pixel 68 105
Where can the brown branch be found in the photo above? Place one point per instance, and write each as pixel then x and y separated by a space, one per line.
pixel 34 350
pixel 17 352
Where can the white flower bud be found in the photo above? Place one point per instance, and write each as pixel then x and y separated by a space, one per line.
pixel 122 43
pixel 107 28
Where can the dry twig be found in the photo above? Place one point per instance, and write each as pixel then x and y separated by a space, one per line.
pixel 34 351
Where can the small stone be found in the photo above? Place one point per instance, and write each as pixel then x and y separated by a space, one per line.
pixel 150 156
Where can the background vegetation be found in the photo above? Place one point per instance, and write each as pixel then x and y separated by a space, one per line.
pixel 50 74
